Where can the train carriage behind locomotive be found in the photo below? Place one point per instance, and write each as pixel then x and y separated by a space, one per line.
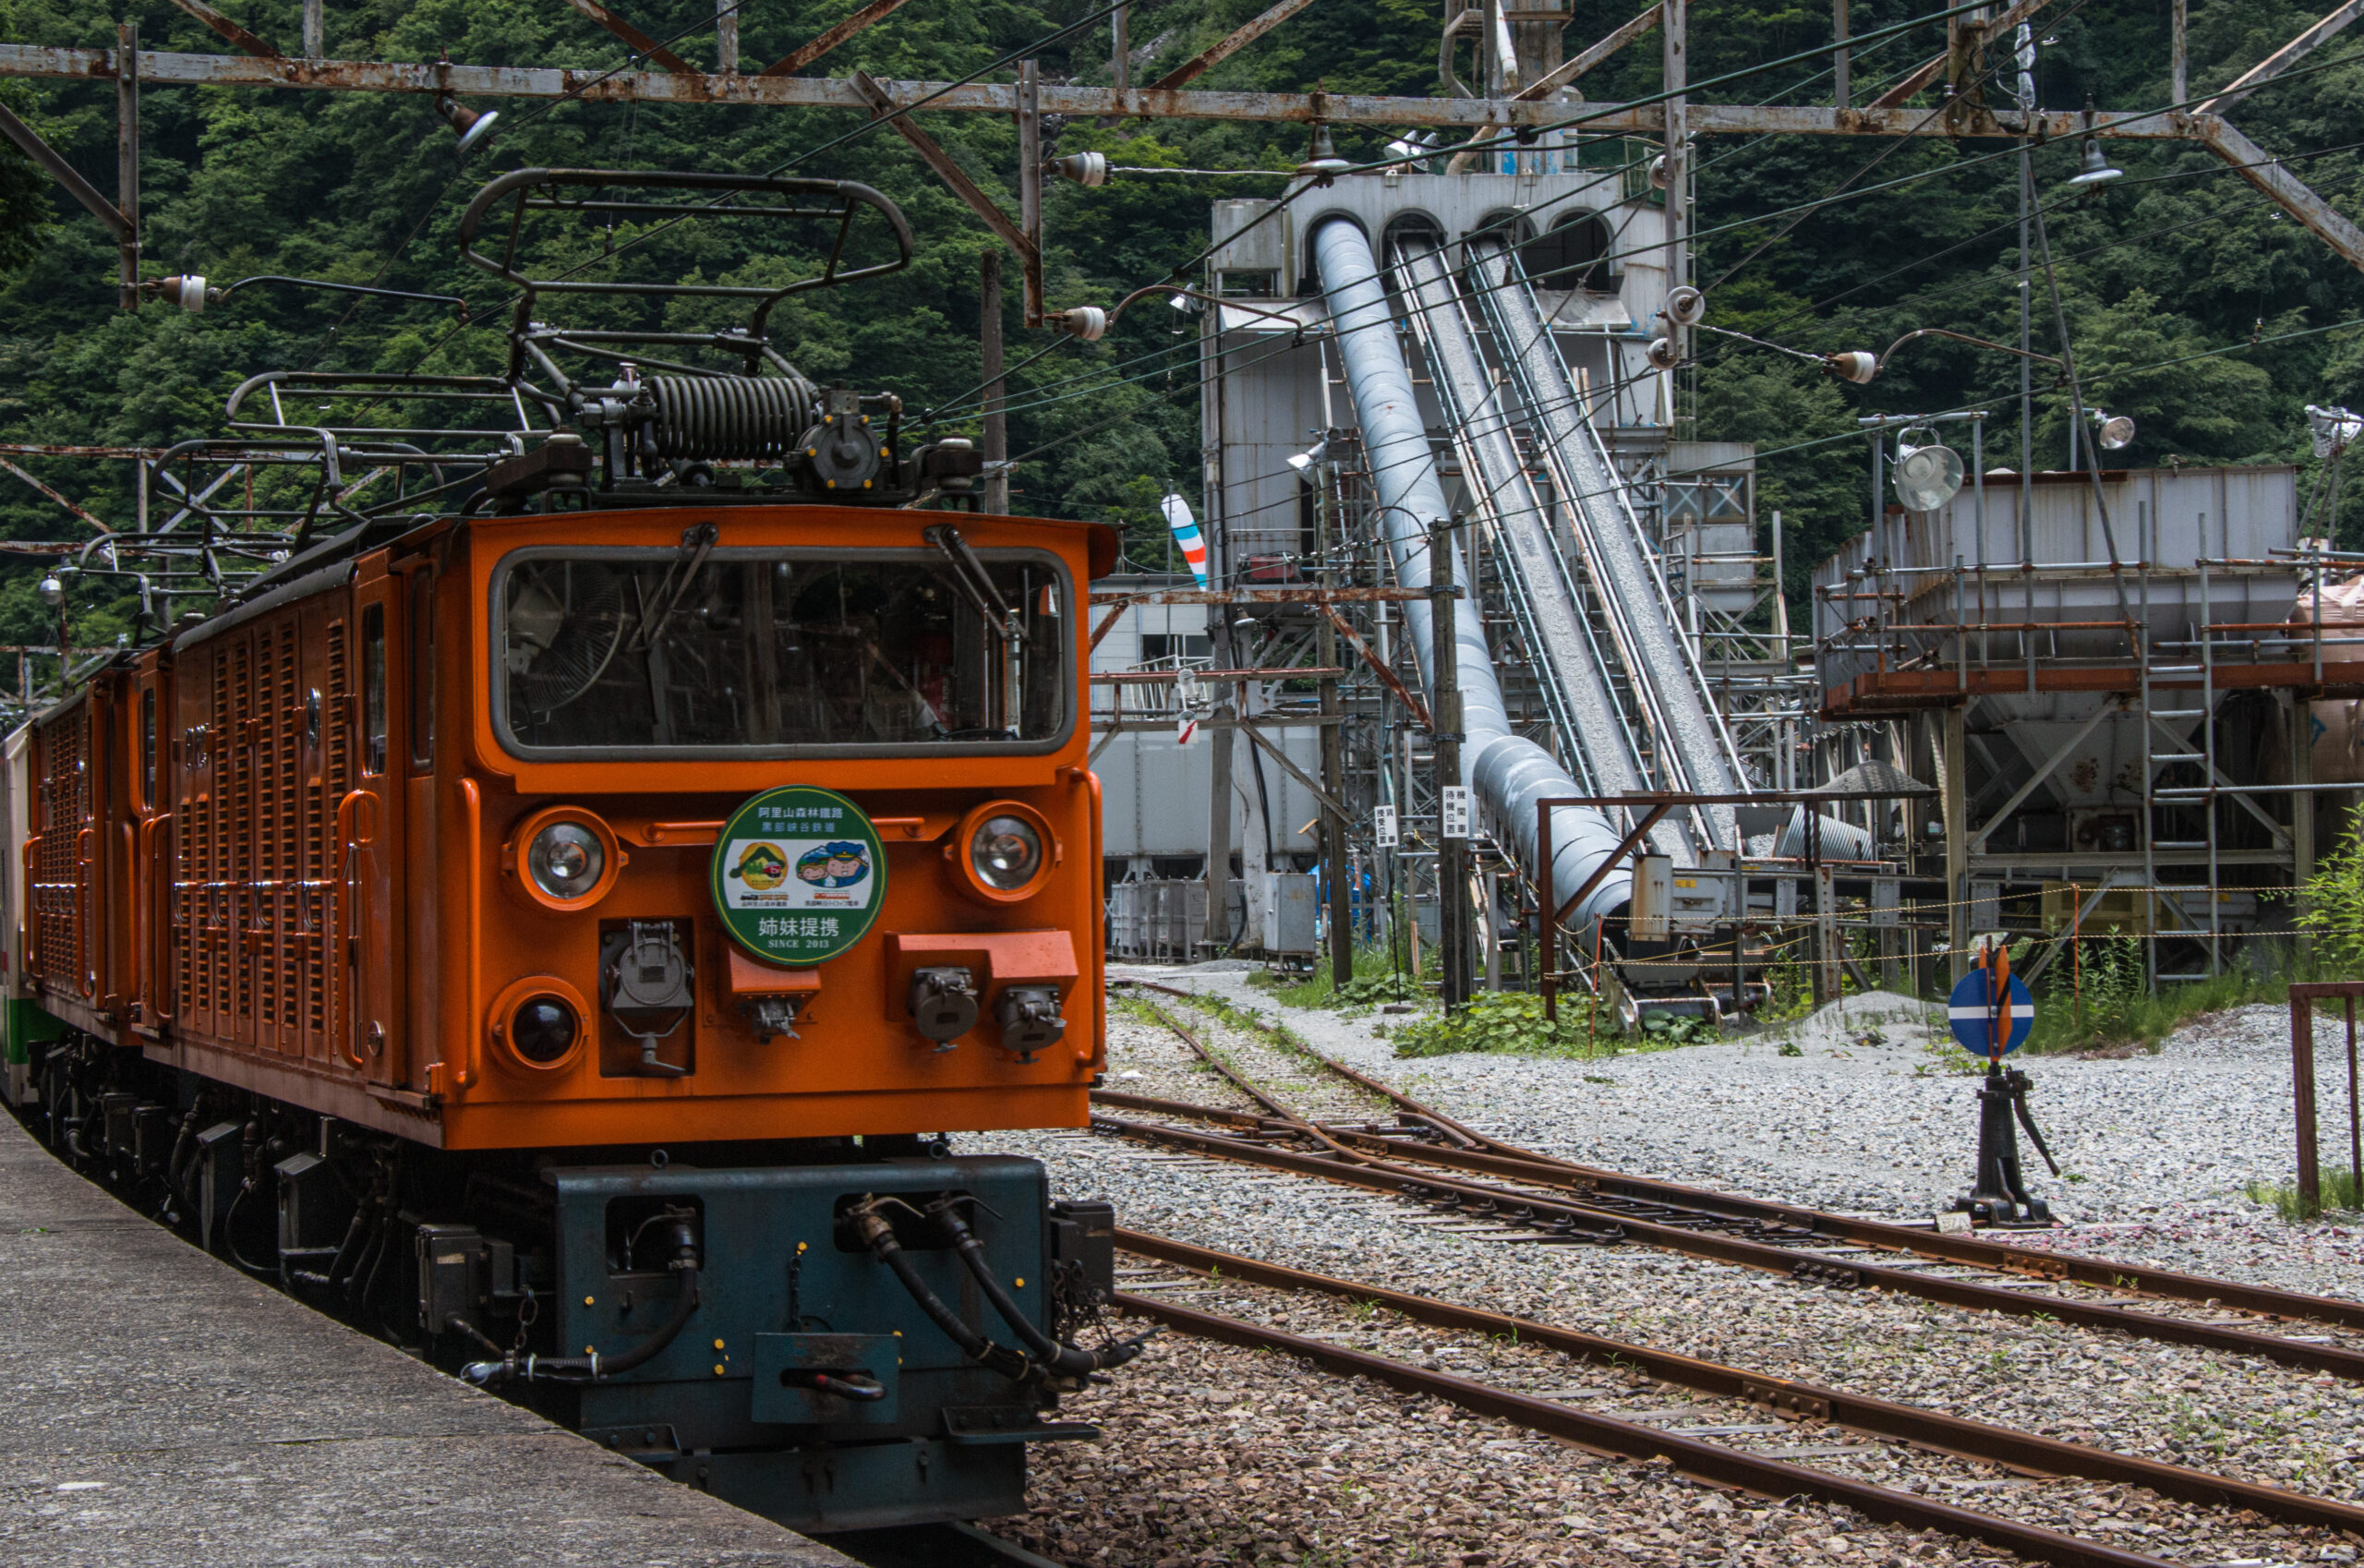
pixel 556 929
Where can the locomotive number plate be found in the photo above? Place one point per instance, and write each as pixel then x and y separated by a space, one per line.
pixel 798 875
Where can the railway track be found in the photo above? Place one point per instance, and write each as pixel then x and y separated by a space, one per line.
pixel 1427 1156
pixel 1789 1400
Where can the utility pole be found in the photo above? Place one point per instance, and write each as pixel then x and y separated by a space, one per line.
pixel 1336 852
pixel 126 164
pixel 996 452
pixel 1838 93
pixel 1219 737
pixel 1674 26
pixel 1452 874
pixel 2026 50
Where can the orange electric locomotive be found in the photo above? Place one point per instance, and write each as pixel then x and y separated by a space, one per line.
pixel 555 913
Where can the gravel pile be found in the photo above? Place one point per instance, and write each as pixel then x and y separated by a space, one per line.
pixel 1868 1115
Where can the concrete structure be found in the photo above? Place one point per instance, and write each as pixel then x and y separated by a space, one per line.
pixel 161 1410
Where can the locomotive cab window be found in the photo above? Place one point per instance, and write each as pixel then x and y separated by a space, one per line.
pixel 373 689
pixel 663 651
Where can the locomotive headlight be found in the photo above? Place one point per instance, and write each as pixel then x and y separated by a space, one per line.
pixel 537 1021
pixel 544 1028
pixel 565 859
pixel 1005 850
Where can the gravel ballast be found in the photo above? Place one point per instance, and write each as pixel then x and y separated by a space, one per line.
pixel 1873 1123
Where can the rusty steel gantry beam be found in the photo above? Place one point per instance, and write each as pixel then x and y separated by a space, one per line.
pixel 166 69
pixel 1027 99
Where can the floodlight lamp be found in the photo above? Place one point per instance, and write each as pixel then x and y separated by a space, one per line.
pixel 1303 462
pixel 2333 430
pixel 2098 170
pixel 1928 476
pixel 2113 432
pixel 473 124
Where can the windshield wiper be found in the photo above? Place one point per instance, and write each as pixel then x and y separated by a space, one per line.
pixel 657 607
pixel 1008 623
pixel 657 610
pixel 971 574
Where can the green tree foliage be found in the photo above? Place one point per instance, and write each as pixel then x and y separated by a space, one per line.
pixel 2177 258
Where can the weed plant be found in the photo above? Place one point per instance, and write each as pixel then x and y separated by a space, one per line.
pixel 1377 979
pixel 2117 1006
pixel 2342 1189
pixel 1511 1022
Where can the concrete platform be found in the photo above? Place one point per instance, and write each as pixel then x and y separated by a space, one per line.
pixel 158 1407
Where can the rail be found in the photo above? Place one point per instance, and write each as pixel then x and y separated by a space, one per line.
pixel 1729 1467
pixel 1933 1431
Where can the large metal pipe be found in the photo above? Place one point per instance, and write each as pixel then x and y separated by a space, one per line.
pixel 1702 752
pixel 1507 773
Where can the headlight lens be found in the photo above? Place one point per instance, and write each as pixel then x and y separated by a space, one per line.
pixel 543 1029
pixel 565 859
pixel 1006 852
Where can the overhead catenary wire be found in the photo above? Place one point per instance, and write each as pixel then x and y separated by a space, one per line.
pixel 1864 44
pixel 460 166
pixel 1483 141
pixel 2219 215
pixel 1605 174
pixel 1099 386
pixel 857 132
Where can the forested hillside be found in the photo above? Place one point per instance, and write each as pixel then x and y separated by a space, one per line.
pixel 2177 259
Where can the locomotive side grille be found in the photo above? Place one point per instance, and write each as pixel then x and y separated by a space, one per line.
pixel 240 756
pixel 57 873
pixel 269 737
pixel 189 858
pixel 334 750
pixel 287 727
pixel 214 931
pixel 287 902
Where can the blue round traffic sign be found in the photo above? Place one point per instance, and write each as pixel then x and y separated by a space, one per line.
pixel 1974 1020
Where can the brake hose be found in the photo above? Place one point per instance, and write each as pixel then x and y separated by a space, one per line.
pixel 1073 1361
pixel 596 1368
pixel 879 1236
